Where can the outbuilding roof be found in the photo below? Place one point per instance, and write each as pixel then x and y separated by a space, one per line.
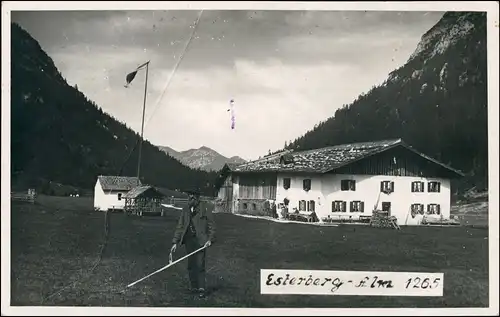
pixel 118 183
pixel 147 190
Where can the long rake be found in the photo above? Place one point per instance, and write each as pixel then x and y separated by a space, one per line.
pixel 166 266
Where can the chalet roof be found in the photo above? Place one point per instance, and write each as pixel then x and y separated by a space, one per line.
pixel 141 190
pixel 230 166
pixel 327 159
pixel 121 183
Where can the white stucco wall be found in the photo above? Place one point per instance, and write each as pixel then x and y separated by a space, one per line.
pixel 107 200
pixel 296 192
pixel 326 188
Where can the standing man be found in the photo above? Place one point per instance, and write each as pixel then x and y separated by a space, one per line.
pixel 195 228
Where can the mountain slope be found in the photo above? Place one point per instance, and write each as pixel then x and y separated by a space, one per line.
pixel 437 101
pixel 59 135
pixel 203 158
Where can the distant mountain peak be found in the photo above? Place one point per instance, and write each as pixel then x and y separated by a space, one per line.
pixel 444 34
pixel 235 158
pixel 203 158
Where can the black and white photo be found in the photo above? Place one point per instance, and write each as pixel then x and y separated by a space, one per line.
pixel 250 155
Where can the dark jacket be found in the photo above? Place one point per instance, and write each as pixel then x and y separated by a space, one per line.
pixel 203 222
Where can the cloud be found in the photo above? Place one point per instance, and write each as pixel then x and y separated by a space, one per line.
pixel 222 35
pixel 286 70
pixel 274 102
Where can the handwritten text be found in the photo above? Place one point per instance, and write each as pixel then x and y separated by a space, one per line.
pixel 351 283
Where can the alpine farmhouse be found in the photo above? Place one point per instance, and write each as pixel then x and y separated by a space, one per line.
pixel 346 181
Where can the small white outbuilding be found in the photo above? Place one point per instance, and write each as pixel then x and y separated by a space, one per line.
pixel 109 191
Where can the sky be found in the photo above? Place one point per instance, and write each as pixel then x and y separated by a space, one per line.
pixel 285 70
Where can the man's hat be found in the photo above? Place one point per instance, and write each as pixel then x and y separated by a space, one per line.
pixel 194 192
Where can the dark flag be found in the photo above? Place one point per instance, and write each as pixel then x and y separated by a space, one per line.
pixel 130 77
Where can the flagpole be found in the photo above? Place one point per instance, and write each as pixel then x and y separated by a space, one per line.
pixel 142 125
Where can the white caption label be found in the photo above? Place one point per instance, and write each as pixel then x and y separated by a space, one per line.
pixel 308 282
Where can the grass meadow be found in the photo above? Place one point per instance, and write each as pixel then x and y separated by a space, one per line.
pixel 62 256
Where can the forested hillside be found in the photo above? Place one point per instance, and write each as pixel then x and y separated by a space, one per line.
pixel 437 101
pixel 59 135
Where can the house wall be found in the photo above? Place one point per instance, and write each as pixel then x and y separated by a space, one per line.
pixel 236 191
pixel 253 188
pixel 326 188
pixel 107 200
pixel 225 191
pixel 224 201
pixel 255 207
pixel 257 186
pixel 296 192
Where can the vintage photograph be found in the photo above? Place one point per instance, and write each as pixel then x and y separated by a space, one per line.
pixel 250 157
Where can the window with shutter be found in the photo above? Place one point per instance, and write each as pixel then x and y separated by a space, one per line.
pixel 417 209
pixel 387 187
pixel 338 206
pixel 348 185
pixel 417 187
pixel 357 206
pixel 286 183
pixel 344 185
pixel 306 184
pixel 302 205
pixel 433 209
pixel 413 209
pixel 434 187
pixel 310 205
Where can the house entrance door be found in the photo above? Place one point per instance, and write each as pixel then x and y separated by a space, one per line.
pixel 386 206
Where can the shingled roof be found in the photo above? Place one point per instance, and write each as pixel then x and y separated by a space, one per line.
pixel 326 159
pixel 140 190
pixel 230 166
pixel 118 183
